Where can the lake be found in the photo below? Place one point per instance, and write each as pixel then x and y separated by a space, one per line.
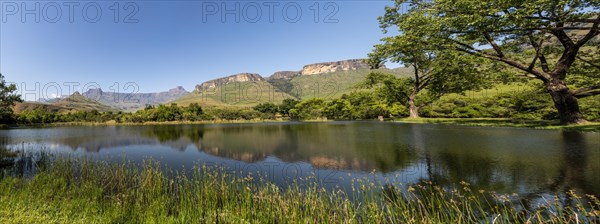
pixel 506 160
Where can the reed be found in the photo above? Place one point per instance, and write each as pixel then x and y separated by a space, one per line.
pixel 77 190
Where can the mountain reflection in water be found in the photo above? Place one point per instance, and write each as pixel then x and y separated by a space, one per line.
pixel 526 161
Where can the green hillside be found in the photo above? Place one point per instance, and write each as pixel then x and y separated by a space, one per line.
pixel 330 85
pixel 248 94
pixel 29 106
pixel 73 103
pixel 78 102
pixel 238 94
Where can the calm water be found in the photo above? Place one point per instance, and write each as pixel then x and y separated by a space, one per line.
pixel 506 160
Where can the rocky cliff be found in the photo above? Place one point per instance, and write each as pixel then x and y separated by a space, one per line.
pixel 241 77
pixel 287 75
pixel 328 67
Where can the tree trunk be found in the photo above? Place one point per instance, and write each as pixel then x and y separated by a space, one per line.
pixel 413 110
pixel 565 102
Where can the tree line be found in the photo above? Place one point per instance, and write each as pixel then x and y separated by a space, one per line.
pixel 378 96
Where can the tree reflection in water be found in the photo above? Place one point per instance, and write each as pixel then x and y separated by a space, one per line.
pixel 572 173
pixel 505 160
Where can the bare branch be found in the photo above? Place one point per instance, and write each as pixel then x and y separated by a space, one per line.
pixel 494 44
pixel 538 54
pixel 593 32
pixel 425 80
pixel 524 30
pixel 586 92
pixel 513 63
pixel 588 62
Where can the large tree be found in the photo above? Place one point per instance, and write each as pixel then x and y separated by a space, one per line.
pixel 542 38
pixel 7 100
pixel 438 72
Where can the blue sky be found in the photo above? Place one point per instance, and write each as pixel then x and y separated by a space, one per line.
pixel 175 43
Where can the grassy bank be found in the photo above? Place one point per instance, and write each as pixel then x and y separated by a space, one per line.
pixel 501 122
pixel 481 122
pixel 80 191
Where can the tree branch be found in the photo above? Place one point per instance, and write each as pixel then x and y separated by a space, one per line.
pixel 417 78
pixel 586 92
pixel 425 80
pixel 568 56
pixel 593 32
pixel 547 18
pixel 494 44
pixel 470 50
pixel 523 30
pixel 588 62
pixel 425 83
pixel 538 54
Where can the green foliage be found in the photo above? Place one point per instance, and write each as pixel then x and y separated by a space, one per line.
pixel 308 109
pixel 7 100
pixel 84 191
pixel 267 108
pixel 163 113
pixel 287 105
pixel 193 112
pixel 591 108
pixel 553 41
pixel 521 105
pixel 436 72
pixel 503 101
pixel 356 105
pixel 339 109
pixel 333 85
pixel 37 116
pixel 389 87
pixel 455 72
pixel 44 116
pixel 236 114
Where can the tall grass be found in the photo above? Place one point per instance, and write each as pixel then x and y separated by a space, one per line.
pixel 75 190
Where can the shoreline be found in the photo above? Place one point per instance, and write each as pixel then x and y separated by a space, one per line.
pixel 503 122
pixel 474 122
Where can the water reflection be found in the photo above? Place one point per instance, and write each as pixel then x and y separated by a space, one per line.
pixel 526 161
pixel 20 163
pixel 576 171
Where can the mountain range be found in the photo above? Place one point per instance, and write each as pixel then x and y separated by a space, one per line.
pixel 318 80
pixel 72 103
pixel 134 101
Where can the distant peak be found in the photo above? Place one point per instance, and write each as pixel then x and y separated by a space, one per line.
pixel 94 90
pixel 178 89
pixel 287 75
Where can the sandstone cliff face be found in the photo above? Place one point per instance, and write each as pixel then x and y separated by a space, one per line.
pixel 328 67
pixel 242 77
pixel 287 75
